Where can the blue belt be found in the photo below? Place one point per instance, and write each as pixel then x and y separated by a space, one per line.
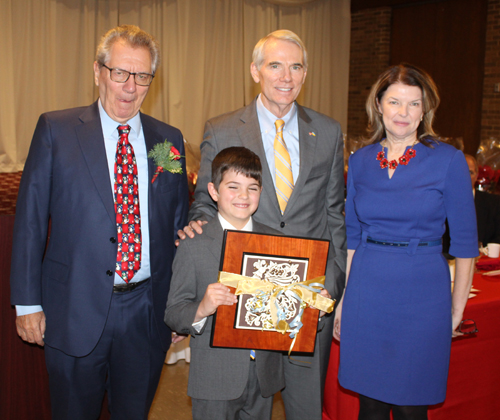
pixel 402 244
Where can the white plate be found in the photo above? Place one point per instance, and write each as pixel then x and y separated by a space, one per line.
pixel 492 273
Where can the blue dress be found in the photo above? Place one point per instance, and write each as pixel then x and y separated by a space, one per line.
pixel 396 317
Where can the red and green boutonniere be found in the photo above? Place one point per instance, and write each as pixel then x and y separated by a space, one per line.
pixel 166 158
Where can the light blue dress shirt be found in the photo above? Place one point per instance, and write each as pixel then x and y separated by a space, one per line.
pixel 136 139
pixel 290 135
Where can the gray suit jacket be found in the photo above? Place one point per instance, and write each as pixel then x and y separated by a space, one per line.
pixel 214 373
pixel 316 204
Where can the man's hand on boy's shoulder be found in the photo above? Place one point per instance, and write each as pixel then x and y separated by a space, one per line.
pixel 216 294
pixel 189 230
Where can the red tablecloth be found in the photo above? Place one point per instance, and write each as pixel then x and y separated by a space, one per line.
pixel 474 377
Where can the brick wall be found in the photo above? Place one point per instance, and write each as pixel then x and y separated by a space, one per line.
pixel 370 48
pixel 490 121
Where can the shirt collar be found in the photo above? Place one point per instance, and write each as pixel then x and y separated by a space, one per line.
pixel 267 118
pixel 109 126
pixel 228 226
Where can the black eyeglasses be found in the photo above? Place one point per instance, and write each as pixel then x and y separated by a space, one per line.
pixel 468 326
pixel 121 76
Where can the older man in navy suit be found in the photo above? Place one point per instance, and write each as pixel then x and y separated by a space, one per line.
pixel 96 294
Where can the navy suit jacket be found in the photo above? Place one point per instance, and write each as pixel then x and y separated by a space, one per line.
pixel 66 179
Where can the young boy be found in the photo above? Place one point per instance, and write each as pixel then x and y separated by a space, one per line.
pixel 222 382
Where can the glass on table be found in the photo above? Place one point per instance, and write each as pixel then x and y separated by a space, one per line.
pixel 468 326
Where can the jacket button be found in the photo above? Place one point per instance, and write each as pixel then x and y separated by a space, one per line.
pixel 109 273
pixel 112 240
pixel 282 224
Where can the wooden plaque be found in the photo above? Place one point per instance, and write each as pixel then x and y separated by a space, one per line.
pixel 238 247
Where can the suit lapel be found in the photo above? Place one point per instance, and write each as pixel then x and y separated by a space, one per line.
pixel 213 230
pixel 152 138
pixel 307 142
pixel 91 141
pixel 251 137
pixel 249 132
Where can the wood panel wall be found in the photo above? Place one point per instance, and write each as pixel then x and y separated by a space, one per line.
pixel 23 377
pixel 447 39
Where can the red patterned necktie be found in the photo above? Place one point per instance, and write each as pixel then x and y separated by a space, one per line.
pixel 128 217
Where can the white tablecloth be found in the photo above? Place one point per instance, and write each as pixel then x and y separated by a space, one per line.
pixel 178 351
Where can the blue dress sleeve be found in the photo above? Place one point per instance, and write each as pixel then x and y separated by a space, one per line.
pixel 353 226
pixel 460 209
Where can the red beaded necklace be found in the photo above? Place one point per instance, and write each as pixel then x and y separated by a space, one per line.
pixel 393 164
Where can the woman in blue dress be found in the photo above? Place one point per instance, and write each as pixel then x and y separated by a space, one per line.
pixel 398 314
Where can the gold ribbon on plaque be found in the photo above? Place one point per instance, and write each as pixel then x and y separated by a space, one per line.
pixel 304 291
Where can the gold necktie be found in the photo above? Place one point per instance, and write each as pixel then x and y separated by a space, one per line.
pixel 283 165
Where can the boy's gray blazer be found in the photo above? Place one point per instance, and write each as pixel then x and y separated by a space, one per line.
pixel 214 373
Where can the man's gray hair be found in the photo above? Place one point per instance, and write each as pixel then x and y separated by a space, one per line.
pixel 133 36
pixel 283 34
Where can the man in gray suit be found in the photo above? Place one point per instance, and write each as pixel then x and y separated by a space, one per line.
pixel 314 208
